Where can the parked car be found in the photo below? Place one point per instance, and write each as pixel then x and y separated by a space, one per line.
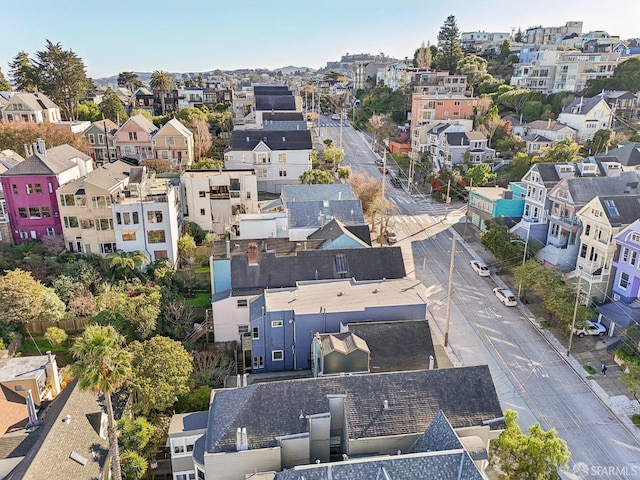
pixel 396 182
pixel 391 237
pixel 506 296
pixel 379 162
pixel 591 328
pixel 335 116
pixel 383 171
pixel 480 268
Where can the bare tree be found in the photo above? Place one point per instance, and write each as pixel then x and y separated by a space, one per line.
pixel 210 368
pixel 179 316
pixel 201 138
pixel 483 106
pixel 82 303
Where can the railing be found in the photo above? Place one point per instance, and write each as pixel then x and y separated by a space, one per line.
pixel 198 332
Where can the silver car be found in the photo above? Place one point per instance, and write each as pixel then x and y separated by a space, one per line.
pixel 506 296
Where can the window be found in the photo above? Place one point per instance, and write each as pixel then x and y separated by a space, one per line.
pixel 277 355
pixel 282 172
pixel 625 255
pixel 587 229
pixel 201 475
pixel 107 247
pixel 255 333
pixel 583 251
pixel 51 232
pixel 37 188
pixel 282 158
pixel 554 229
pixel 100 139
pixel 34 212
pixel 624 280
pixel 160 254
pixel 242 303
pixel 276 323
pixel 258 362
pixel 46 212
pixel 634 258
pixel 87 224
pixel 202 212
pixel 71 222
pixel 22 212
pixel 133 136
pixel 24 234
pixel 154 217
pixel 242 329
pixel 184 476
pixel 29 188
pixel 92 139
pixel 262 172
pixel 15 189
pixel 50 187
pixel 136 218
pixel 101 201
pixel 104 224
pixel 128 236
pixel 202 194
pixel 67 200
pixel 178 449
pixel 156 236
pixel 261 158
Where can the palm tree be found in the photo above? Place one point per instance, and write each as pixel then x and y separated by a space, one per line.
pixel 126 262
pixel 161 81
pixel 102 366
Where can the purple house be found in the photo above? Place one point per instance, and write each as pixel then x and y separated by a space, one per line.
pixel 624 310
pixel 30 191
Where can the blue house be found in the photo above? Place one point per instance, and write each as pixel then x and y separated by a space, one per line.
pixel 625 308
pixel 487 203
pixel 284 321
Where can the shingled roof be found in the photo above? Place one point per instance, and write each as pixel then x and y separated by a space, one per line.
pixel 271 271
pixel 275 102
pixel 315 214
pixel 54 161
pixel 466 395
pixel 585 189
pixel 627 155
pixel 247 140
pixel 621 209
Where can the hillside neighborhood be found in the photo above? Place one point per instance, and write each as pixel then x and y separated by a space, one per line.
pixel 416 268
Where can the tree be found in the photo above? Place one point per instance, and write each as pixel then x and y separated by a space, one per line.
pixel 520 164
pixel 24 299
pixel 123 264
pixel 599 143
pixel 201 138
pixel 200 81
pixel 156 164
pixel 449 50
pixel 23 73
pixel 88 111
pixel 163 83
pixel 344 173
pixel 422 57
pixel 205 163
pixel 475 68
pixel 137 306
pixel 186 244
pixel 531 110
pixel 210 368
pixel 65 287
pixel 566 150
pixel 129 80
pixel 4 83
pixel 161 369
pixel 83 304
pixel 112 108
pixel 519 37
pixel 536 455
pixel 315 177
pixel 193 229
pixel 188 116
pixel 55 336
pixel 515 99
pixel 631 379
pixel 179 316
pixel 102 366
pixel 480 174
pixel 144 113
pixel 333 155
pixel 626 76
pixel 14 135
pixel 498 240
pixel 134 466
pixel 135 435
pixel 62 76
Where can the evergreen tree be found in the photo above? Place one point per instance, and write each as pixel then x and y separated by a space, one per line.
pixel 23 73
pixel 422 56
pixel 4 83
pixel 449 50
pixel 112 108
pixel 62 76
pixel 162 82
pixel 129 80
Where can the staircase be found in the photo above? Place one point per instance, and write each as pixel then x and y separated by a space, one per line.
pixel 203 329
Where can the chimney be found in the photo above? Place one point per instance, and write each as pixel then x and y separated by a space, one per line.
pixel 228 247
pixel 245 380
pixel 52 374
pixel 245 442
pixel 239 439
pixel 580 105
pixel 548 123
pixel 238 381
pixel 385 405
pixel 31 410
pixel 253 253
pixel 339 195
pixel 431 359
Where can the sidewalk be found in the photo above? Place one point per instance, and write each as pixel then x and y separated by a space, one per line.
pixel 585 351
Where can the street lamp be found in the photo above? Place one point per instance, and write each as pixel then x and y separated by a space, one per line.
pixel 575 310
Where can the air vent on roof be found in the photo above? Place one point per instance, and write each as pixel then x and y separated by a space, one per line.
pixel 78 458
pixel 284 139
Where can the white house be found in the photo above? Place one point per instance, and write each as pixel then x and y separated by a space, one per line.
pixel 30 107
pixel 214 199
pixel 587 116
pixel 147 216
pixel 278 157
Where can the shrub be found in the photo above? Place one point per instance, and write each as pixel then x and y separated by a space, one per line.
pixel 635 418
pixel 55 336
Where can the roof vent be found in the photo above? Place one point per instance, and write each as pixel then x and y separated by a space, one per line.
pixel 340 294
pixel 78 458
pixel 385 405
pixel 376 290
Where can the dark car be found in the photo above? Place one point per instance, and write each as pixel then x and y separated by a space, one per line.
pixel 396 182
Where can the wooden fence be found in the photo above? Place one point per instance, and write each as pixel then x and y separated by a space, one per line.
pixel 67 324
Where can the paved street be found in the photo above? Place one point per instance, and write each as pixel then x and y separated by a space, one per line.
pixel 531 375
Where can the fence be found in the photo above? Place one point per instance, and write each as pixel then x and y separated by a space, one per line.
pixel 67 324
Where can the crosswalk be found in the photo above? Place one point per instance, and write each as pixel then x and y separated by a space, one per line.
pixel 426 205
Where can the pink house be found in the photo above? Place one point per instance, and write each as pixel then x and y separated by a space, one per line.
pixel 30 191
pixel 134 138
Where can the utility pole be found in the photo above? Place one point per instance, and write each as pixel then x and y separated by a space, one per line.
pixel 341 121
pixel 411 167
pixel 466 215
pixel 524 258
pixel 575 310
pixel 448 318
pixel 384 178
pixel 446 200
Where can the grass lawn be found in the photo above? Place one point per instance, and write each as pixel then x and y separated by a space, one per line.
pixel 201 269
pixel 201 299
pixel 28 349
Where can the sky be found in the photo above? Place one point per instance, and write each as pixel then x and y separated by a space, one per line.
pixel 204 35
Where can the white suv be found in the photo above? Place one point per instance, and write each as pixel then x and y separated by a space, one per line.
pixel 480 268
pixel 506 296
